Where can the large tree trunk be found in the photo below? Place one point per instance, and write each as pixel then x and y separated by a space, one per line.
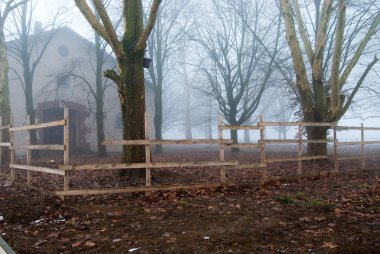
pixel 133 111
pixel 234 137
pixel 5 109
pixel 317 133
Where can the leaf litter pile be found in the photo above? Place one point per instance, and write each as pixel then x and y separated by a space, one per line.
pixel 318 213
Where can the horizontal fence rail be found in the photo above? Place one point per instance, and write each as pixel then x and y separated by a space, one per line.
pixel 66 168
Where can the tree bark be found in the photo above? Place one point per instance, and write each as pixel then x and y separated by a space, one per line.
pixel 102 150
pixel 5 109
pixel 130 81
pixel 317 133
pixel 234 137
pixel 133 114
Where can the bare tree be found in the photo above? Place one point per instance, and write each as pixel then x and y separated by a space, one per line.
pixel 28 48
pixel 6 7
pixel 334 38
pixel 162 44
pixel 129 52
pixel 235 64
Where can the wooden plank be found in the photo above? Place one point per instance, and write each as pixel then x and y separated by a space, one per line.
pixel 39 147
pixel 28 154
pixel 358 157
pixel 12 152
pixel 66 137
pixel 239 127
pixel 362 146
pixel 243 145
pixel 66 152
pixel 109 166
pixel 148 160
pixel 299 150
pixel 294 124
pixel 358 128
pixel 140 189
pixel 37 126
pixel 295 141
pixel 317 157
pixel 358 143
pixel 5 127
pixel 221 149
pixel 154 165
pixel 336 162
pixel 38 169
pixel 262 149
pixel 166 142
pixel 269 141
pixel 247 166
pixel 64 167
pixel 1 140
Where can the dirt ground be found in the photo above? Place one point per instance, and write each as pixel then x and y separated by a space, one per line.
pixel 326 213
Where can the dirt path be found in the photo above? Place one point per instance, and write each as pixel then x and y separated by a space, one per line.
pixel 323 214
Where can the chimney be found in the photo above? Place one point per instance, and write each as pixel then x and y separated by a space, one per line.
pixel 37 27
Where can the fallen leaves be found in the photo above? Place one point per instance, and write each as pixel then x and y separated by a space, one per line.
pixel 329 245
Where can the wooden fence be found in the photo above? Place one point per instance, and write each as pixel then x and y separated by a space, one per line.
pixel 65 169
pixel 29 147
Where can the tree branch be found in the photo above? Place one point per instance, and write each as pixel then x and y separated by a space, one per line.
pixel 111 74
pixel 339 32
pixel 304 36
pixel 141 44
pixel 95 24
pixel 358 85
pixel 114 41
pixel 371 31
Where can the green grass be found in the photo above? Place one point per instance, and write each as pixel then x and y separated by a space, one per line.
pixel 285 199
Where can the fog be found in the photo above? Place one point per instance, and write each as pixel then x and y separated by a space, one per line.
pixel 210 46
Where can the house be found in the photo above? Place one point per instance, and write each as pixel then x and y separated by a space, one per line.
pixel 55 87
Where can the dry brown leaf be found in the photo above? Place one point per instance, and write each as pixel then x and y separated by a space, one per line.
pixel 76 244
pixel 329 245
pixel 90 244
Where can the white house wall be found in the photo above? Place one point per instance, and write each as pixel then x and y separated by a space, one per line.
pixel 80 53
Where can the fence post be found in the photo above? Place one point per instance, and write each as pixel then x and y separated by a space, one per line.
pixel 336 162
pixel 148 176
pixel 11 149
pixel 66 151
pixel 28 153
pixel 362 146
pixel 262 148
pixel 221 149
pixel 299 149
pixel 1 140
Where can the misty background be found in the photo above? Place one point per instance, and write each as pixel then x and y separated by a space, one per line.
pixel 193 30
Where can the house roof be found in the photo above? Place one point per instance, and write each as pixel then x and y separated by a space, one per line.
pixel 44 35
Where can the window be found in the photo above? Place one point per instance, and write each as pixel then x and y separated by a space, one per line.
pixel 62 81
pixel 118 121
pixel 63 51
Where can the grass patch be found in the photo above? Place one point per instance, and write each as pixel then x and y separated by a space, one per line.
pixel 285 199
pixel 321 205
pixel 183 203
